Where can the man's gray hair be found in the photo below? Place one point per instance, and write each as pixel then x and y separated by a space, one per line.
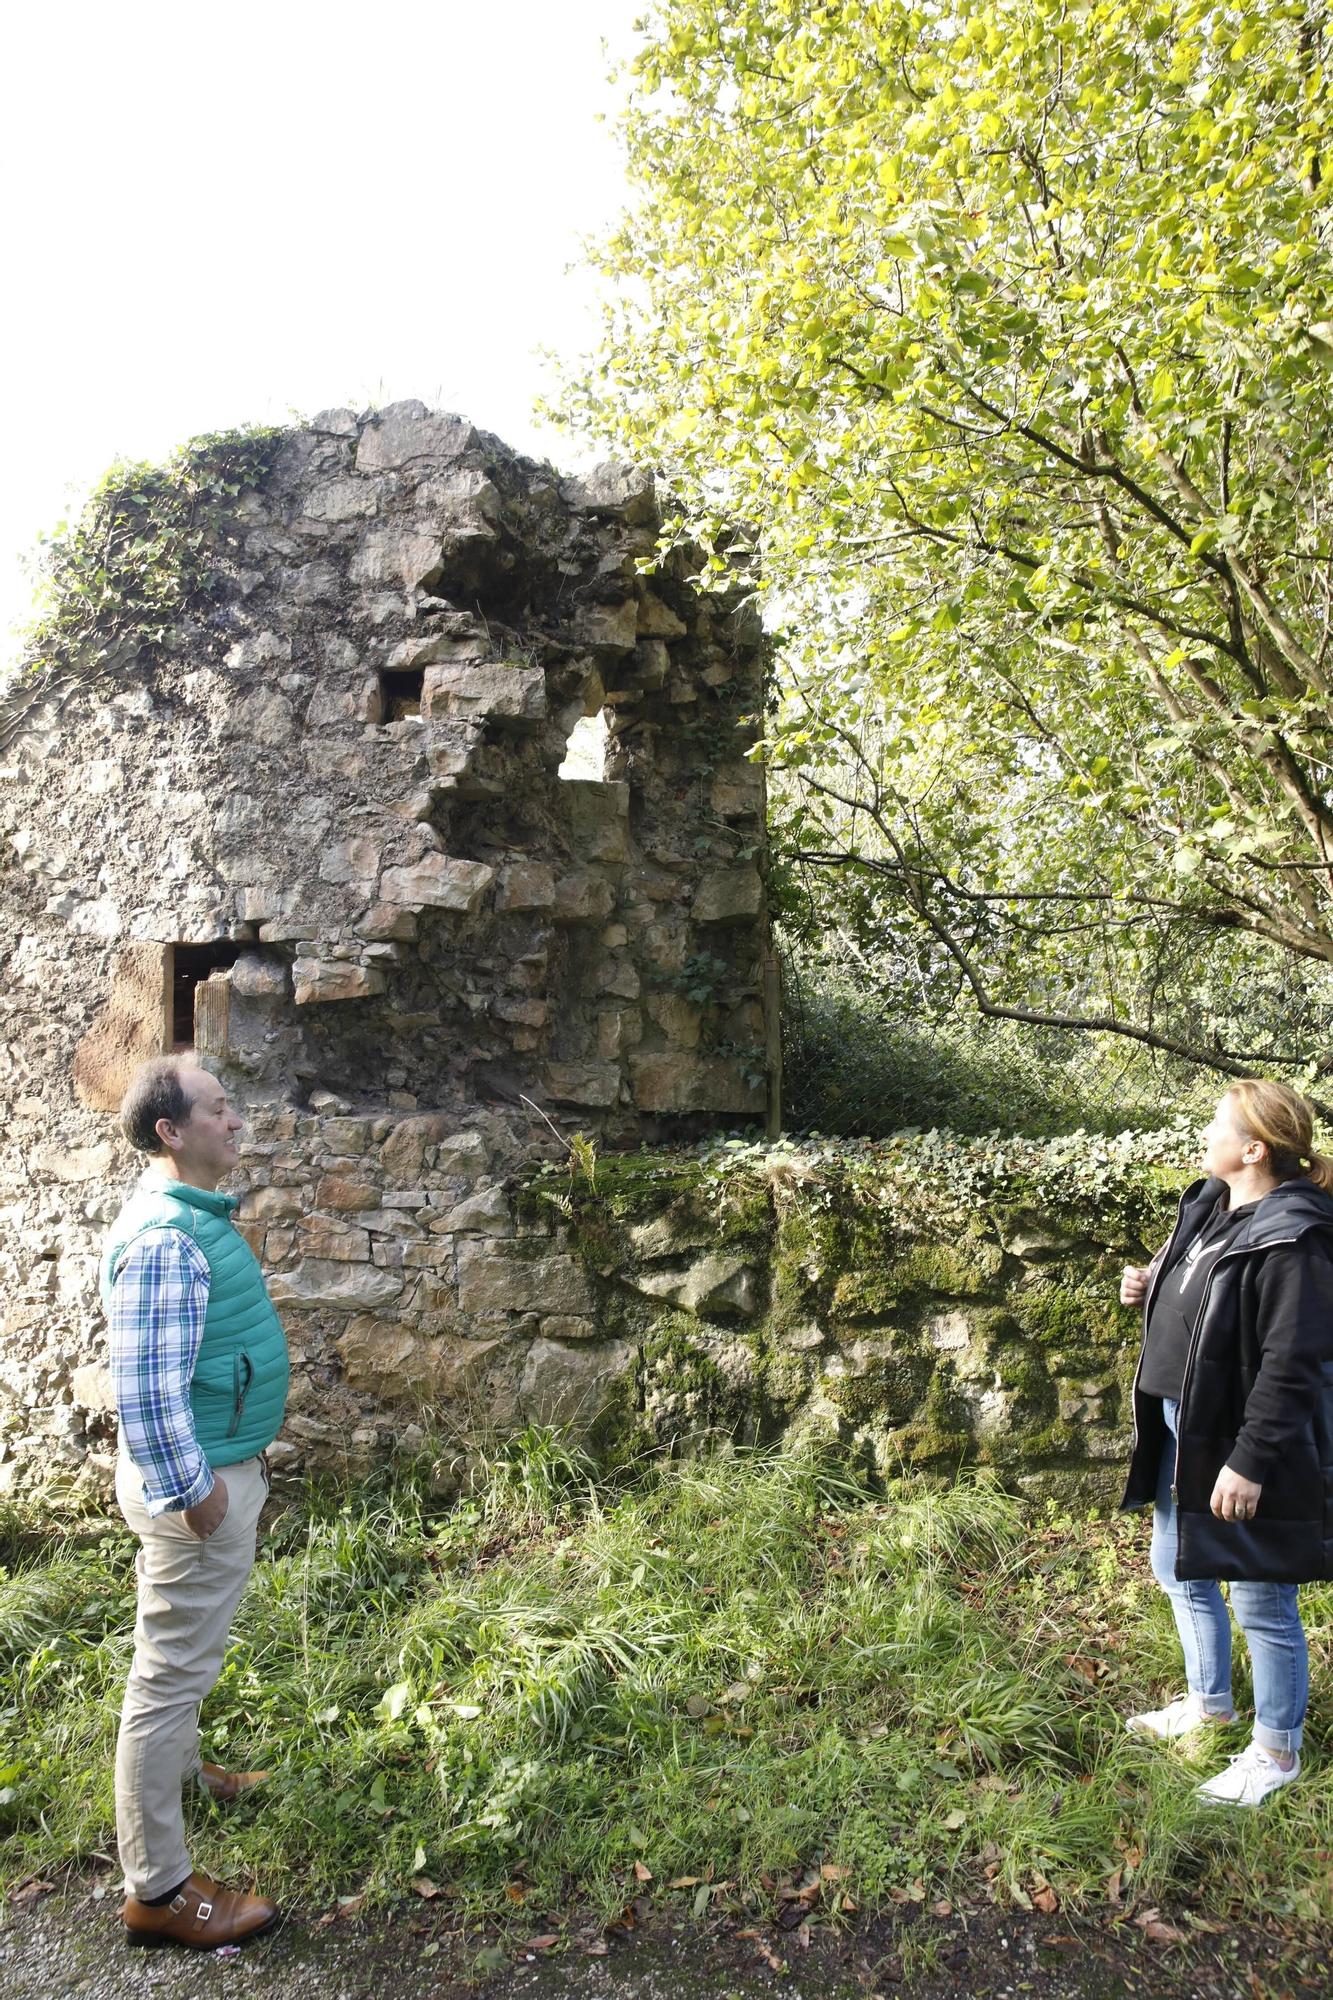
pixel 155 1091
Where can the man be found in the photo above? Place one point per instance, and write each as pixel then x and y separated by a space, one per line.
pixel 199 1375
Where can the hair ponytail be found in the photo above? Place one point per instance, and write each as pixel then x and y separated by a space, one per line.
pixel 1284 1121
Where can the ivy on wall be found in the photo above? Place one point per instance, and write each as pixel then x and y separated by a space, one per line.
pixel 148 549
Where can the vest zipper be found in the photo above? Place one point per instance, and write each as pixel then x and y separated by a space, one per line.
pixel 240 1391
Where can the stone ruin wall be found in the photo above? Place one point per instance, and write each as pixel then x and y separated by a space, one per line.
pixel 335 804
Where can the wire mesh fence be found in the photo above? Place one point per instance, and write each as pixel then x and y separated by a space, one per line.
pixel 858 1060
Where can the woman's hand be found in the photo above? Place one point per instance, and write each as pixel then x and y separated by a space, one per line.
pixel 1234 1498
pixel 1134 1284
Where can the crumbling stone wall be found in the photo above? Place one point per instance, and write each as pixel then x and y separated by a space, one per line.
pixel 422 955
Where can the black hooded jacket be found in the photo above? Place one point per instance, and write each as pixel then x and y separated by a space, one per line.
pixel 1257 1393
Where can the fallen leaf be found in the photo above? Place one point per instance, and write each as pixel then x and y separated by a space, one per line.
pixel 686 1882
pixel 517 1892
pixel 1160 1933
pixel 955 1819
pixel 544 1942
pixel 425 1887
pixel 803 1937
pixel 29 1891
pixel 1045 1899
pixel 1113 1885
pixel 832 1873
pixel 736 1692
pixel 642 1874
pixel 598 1948
pixel 697 1706
pixel 944 1908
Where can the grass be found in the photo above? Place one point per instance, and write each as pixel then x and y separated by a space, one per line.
pixel 749 1677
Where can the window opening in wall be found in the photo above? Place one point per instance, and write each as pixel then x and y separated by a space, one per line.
pixel 400 692
pixel 585 752
pixel 191 963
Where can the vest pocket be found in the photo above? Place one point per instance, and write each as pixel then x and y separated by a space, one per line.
pixel 244 1375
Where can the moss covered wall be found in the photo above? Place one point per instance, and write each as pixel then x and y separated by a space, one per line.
pixel 926 1301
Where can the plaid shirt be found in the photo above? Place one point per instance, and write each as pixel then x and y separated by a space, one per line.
pixel 158 1302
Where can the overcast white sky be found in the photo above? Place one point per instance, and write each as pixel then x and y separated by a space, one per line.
pixel 219 214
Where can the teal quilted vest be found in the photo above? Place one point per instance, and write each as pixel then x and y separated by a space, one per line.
pixel 239 1390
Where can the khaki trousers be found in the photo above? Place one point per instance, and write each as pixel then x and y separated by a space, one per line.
pixel 188 1592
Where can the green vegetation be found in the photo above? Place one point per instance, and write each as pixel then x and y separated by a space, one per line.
pixel 728 1674
pixel 1006 332
pixel 144 554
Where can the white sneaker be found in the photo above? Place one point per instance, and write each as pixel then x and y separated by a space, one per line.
pixel 1248 1778
pixel 1178 1718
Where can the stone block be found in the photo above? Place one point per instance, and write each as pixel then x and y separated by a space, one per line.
pixel 728 896
pixel 688 1082
pixel 354 860
pixel 271 1204
pixel 403 1152
pixel 678 1018
pixel 657 620
pixel 335 423
pixel 521 1013
pixel 389 1360
pixel 405 433
pixel 526 885
pixel 568 1326
pixel 621 491
pixel 340 500
pixel 722 1282
pixel 339 1286
pixel 573 1386
pixel 494 1280
pixel 259 975
pixel 464 1154
pixel 346 1135
pixel 486 1213
pixel 390 555
pixel 608 628
pixel 583 897
pixel 73 1163
pixel 652 664
pixel 387 922
pixel 593 1083
pixel 490 691
pixel 91 1387
pixel 440 881
pixel 597 816
pixel 338 1193
pixel 328 1236
pixel 317 981
pixel 737 791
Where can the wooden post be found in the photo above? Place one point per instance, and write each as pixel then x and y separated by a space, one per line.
pixel 773 1042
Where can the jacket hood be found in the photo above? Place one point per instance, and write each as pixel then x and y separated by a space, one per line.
pixel 1288 1211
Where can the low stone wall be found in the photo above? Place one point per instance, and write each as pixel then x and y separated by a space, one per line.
pixel 926 1302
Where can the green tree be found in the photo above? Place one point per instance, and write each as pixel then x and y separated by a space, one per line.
pixel 1006 329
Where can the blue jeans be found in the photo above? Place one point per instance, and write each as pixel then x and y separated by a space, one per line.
pixel 1266 1613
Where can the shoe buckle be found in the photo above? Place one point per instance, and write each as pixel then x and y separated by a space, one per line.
pixel 177 1904
pixel 203 1913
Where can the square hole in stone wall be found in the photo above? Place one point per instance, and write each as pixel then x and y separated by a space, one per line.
pixel 400 692
pixel 191 963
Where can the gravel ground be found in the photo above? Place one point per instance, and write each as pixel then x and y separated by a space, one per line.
pixel 72 1945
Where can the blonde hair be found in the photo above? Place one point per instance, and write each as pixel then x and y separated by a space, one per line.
pixel 1284 1121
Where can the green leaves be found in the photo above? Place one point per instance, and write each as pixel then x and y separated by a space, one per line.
pixel 1008 334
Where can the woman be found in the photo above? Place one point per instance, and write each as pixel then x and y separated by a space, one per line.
pixel 1233 1424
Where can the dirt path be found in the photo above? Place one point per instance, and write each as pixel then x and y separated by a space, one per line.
pixel 72 1946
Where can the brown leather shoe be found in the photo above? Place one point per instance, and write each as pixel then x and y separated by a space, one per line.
pixel 202 1915
pixel 227 1786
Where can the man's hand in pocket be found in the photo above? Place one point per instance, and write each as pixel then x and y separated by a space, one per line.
pixel 211 1511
